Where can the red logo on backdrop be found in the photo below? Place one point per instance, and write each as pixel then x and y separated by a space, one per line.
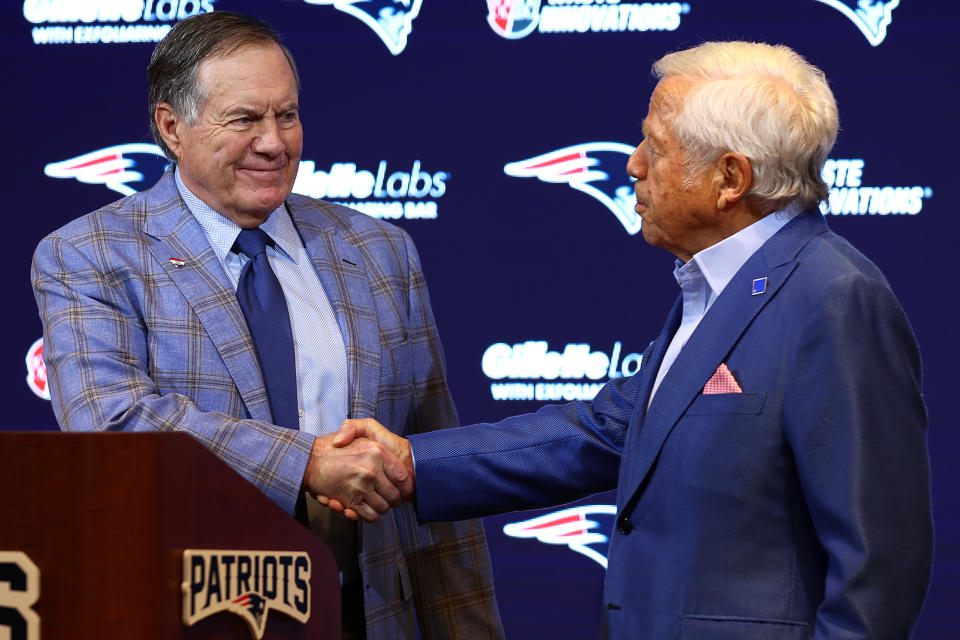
pixel 595 168
pixel 513 18
pixel 576 527
pixel 37 370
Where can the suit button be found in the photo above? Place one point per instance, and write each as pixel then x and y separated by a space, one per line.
pixel 624 525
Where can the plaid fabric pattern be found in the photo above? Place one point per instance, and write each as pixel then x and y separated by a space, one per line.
pixel 135 342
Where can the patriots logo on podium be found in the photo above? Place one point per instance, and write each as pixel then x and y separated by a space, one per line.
pixel 253 607
pixel 573 527
pixel 125 168
pixel 872 17
pixel 249 584
pixel 595 168
pixel 391 20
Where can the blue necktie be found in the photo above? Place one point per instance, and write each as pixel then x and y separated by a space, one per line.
pixel 265 307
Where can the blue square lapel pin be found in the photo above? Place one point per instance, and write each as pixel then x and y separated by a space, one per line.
pixel 759 286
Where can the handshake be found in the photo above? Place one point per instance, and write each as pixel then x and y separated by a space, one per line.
pixel 362 470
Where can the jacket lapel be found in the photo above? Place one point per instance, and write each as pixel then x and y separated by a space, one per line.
pixel 652 363
pixel 342 271
pixel 184 253
pixel 708 346
pixel 652 358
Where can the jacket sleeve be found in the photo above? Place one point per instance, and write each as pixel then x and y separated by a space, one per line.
pixel 449 563
pixel 556 455
pixel 855 420
pixel 97 338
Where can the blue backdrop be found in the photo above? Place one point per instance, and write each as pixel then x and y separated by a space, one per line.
pixel 470 123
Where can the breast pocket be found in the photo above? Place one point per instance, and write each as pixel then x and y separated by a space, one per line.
pixel 746 404
pixel 724 436
pixel 395 362
pixel 735 628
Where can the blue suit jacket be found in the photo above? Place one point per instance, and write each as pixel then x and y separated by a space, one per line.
pixel 143 332
pixel 799 508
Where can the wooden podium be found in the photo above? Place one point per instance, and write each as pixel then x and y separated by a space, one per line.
pixel 106 518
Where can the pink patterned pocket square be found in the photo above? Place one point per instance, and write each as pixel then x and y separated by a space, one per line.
pixel 722 381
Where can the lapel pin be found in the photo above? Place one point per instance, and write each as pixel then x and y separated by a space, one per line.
pixel 177 262
pixel 759 286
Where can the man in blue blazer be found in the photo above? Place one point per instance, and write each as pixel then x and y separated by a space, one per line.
pixel 770 456
pixel 143 330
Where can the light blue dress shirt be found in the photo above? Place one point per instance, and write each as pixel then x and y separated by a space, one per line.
pixel 321 357
pixel 709 271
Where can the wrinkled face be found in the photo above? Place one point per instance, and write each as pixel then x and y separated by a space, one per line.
pixel 242 154
pixel 678 218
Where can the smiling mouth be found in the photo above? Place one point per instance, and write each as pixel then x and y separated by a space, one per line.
pixel 262 169
pixel 270 175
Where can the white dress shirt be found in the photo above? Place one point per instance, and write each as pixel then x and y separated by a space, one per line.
pixel 709 271
pixel 321 358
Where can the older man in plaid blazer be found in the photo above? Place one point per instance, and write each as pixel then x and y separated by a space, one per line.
pixel 143 330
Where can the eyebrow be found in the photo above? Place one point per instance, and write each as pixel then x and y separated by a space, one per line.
pixel 255 113
pixel 647 133
pixel 243 111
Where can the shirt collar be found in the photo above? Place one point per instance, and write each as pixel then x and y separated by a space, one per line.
pixel 721 261
pixel 222 232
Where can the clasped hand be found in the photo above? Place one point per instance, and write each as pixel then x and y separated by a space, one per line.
pixel 361 470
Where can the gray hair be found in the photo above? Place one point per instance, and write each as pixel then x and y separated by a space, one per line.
pixel 763 101
pixel 172 73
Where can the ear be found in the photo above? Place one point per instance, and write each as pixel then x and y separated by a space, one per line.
pixel 736 177
pixel 169 125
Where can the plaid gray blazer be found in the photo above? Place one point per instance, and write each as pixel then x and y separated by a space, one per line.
pixel 143 332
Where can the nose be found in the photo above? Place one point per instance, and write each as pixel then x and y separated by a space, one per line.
pixel 637 163
pixel 268 141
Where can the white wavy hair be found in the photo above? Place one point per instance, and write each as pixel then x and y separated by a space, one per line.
pixel 763 101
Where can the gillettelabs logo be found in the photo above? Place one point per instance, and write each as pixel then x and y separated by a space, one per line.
pixel 872 17
pixel 246 583
pixel 107 21
pixel 383 193
pixel 391 20
pixel 576 373
pixel 573 527
pixel 515 19
pixel 849 196
pixel 391 195
pixel 595 168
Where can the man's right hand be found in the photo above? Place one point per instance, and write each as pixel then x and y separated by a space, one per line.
pixel 363 477
pixel 353 432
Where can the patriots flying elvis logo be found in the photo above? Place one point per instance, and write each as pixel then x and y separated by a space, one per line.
pixel 125 168
pixel 595 168
pixel 872 17
pixel 254 606
pixel 573 527
pixel 391 20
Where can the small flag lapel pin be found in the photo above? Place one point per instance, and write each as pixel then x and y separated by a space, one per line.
pixel 178 262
